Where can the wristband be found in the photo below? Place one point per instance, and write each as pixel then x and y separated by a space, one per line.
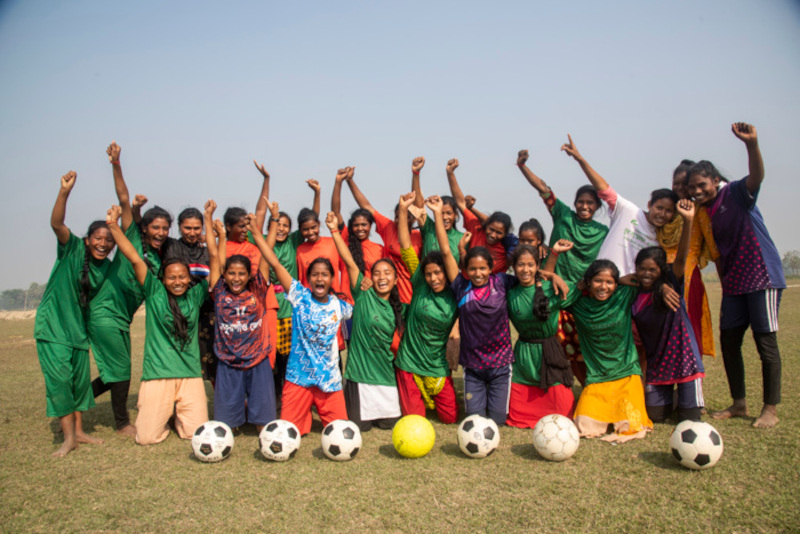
pixel 115 162
pixel 553 252
pixel 275 219
pixel 415 173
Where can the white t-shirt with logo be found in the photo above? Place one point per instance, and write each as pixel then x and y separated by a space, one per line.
pixel 628 232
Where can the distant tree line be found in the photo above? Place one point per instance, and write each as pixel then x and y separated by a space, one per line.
pixel 791 263
pixel 22 299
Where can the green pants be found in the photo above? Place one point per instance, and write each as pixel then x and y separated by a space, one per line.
pixel 66 378
pixel 111 347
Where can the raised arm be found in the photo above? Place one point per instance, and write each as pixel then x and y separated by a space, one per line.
pixel 535 181
pixel 416 167
pixel 450 264
pixel 403 233
pixel 136 208
pixel 284 278
pixel 214 263
pixel 314 185
pixel 60 208
pixel 562 245
pixel 470 202
pixel 686 210
pixel 747 133
pixel 114 151
pixel 124 245
pixel 597 181
pixel 342 249
pixel 261 208
pixel 336 196
pixel 275 215
pixel 455 189
pixel 359 197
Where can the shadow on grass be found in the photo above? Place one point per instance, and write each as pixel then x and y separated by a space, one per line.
pixel 390 452
pixel 452 449
pixel 527 451
pixel 662 460
pixel 318 454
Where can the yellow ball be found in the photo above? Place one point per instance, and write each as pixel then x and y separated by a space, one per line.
pixel 413 436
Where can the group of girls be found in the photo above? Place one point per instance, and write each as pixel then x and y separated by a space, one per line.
pixel 274 311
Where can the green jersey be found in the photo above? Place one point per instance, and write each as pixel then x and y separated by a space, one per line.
pixel 528 356
pixel 370 359
pixel 121 295
pixel 587 237
pixel 165 356
pixel 60 318
pixel 606 336
pixel 429 241
pixel 430 318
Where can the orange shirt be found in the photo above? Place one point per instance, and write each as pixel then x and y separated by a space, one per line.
pixel 323 248
pixel 372 253
pixel 387 229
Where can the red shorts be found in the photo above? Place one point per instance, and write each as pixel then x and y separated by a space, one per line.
pixel 411 399
pixel 528 404
pixel 296 404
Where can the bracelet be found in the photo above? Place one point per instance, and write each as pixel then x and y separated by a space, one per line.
pixel 416 173
pixel 553 252
pixel 115 162
pixel 335 232
pixel 275 219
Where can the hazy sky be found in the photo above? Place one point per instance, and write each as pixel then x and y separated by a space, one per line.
pixel 194 91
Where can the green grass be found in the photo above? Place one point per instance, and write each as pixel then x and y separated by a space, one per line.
pixel 119 486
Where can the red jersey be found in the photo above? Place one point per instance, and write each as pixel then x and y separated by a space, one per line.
pixel 387 229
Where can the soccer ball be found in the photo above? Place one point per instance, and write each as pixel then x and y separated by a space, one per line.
pixel 556 438
pixel 696 445
pixel 341 440
pixel 478 437
pixel 413 436
pixel 279 440
pixel 212 441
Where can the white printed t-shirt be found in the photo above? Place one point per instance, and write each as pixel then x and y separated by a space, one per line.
pixel 628 232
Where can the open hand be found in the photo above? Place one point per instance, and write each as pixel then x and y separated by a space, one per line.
pixel 261 169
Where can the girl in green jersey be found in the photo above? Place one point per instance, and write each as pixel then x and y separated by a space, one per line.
pixel 60 331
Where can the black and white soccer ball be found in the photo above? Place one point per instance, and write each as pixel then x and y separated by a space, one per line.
pixel 696 445
pixel 556 438
pixel 279 440
pixel 212 441
pixel 478 436
pixel 341 440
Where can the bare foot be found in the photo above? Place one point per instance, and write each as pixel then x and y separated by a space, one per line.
pixel 768 417
pixel 128 431
pixel 737 409
pixel 83 437
pixel 66 448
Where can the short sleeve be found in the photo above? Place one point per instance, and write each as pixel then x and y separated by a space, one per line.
pixel 295 238
pixel 259 285
pixel 295 294
pixel 199 293
pixel 572 295
pixel 559 211
pixel 73 247
pixel 381 222
pixel 346 309
pixel 610 197
pixel 410 258
pixel 742 195
pixel 471 222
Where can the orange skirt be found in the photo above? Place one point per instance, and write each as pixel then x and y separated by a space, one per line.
pixel 620 403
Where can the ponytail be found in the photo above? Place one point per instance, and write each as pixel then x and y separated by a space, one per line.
pixel 541 307
pixel 180 324
pixel 353 243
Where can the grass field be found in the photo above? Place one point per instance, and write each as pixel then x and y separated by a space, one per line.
pixel 119 486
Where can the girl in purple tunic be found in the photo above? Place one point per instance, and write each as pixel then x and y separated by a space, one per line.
pixel 673 356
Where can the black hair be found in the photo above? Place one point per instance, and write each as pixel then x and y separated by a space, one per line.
pixel 533 225
pixel 325 261
pixel 658 194
pixel 233 215
pixel 683 167
pixel 284 214
pixel 180 324
pixel 541 308
pixel 394 299
pixel 156 212
pixel 241 259
pixel 434 257
pixel 353 243
pixel 705 169
pixel 306 215
pixel 658 255
pixel 588 190
pixel 599 266
pixel 501 217
pixel 84 286
pixel 447 200
pixel 189 213
pixel 479 252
